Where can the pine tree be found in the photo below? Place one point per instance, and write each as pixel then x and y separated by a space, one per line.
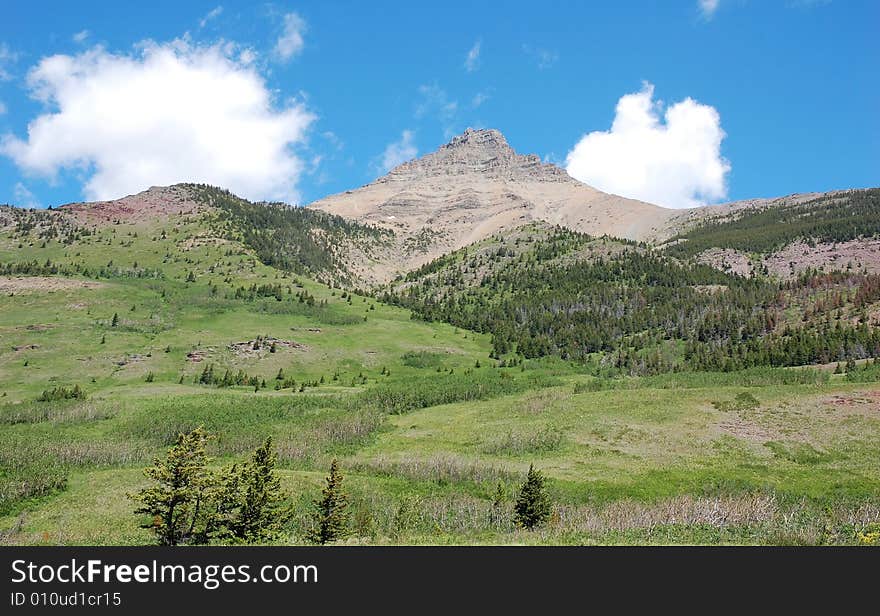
pixel 115 321
pixel 533 504
pixel 180 506
pixel 330 515
pixel 251 504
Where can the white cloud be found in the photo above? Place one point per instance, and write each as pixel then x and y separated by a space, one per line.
pixel 399 152
pixel 2 108
pixel 81 36
pixel 167 113
pixel 708 7
pixel 247 56
pixel 24 197
pixel 472 60
pixel 7 57
pixel 674 161
pixel 291 42
pixel 212 14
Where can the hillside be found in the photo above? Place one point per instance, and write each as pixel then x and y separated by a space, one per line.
pixel 665 401
pixel 298 240
pixel 620 306
pixel 473 187
pixel 838 230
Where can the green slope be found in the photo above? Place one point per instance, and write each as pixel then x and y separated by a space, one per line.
pixel 433 435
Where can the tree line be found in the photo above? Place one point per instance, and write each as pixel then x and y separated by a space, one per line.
pixel 645 312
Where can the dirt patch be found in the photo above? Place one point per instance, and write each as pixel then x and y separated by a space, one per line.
pixel 799 256
pixel 40 327
pixel 261 345
pixel 37 284
pixel 203 240
pixel 198 355
pixel 748 430
pixel 130 359
pixel 25 347
pixel 156 203
pixel 727 260
pixel 857 403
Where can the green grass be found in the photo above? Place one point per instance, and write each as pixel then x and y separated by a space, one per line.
pixel 424 437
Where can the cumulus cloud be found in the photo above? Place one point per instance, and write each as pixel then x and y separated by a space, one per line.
pixel 212 14
pixel 708 7
pixel 399 151
pixel 291 41
pixel 674 161
pixel 167 113
pixel 472 60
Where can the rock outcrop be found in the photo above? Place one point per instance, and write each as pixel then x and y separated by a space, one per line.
pixel 472 187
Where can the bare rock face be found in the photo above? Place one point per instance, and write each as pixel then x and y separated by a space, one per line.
pixel 477 152
pixel 472 187
pixel 154 203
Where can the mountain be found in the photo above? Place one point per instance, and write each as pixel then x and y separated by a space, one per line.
pixel 472 187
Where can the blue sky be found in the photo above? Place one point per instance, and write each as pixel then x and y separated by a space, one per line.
pixel 710 100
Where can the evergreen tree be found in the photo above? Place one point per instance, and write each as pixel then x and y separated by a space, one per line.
pixel 251 504
pixel 180 505
pixel 533 504
pixel 330 515
pixel 115 321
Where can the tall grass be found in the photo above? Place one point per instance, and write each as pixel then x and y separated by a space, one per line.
pixel 752 377
pixel 59 412
pixel 418 393
pixel 440 469
pixel 543 440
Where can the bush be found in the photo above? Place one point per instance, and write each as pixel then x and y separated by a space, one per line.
pixel 62 393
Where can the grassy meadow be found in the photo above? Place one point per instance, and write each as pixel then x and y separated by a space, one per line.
pixel 433 437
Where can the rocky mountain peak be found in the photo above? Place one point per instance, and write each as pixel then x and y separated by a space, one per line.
pixel 487 139
pixel 478 152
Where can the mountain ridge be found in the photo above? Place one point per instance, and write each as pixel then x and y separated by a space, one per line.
pixel 474 186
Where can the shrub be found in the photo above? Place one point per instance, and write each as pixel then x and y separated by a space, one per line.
pixel 62 393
